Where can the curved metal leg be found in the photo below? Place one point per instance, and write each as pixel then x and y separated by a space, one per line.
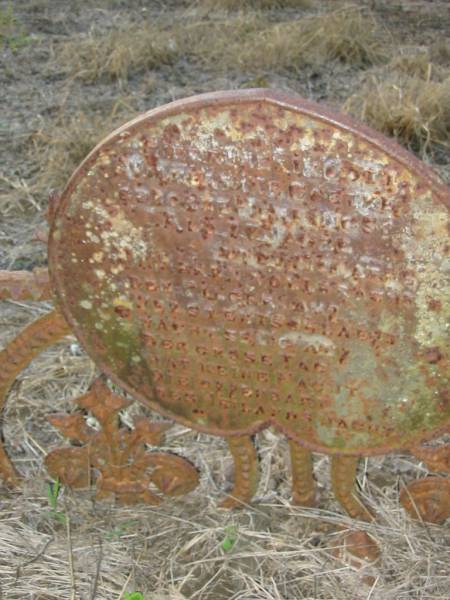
pixel 245 472
pixel 30 342
pixel 303 485
pixel 343 473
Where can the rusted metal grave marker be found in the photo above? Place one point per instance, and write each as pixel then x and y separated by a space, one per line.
pixel 240 260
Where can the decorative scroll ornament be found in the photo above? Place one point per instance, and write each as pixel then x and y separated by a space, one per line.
pixel 126 469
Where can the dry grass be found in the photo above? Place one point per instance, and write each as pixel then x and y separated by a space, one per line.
pixel 415 112
pixel 440 53
pixel 418 65
pixel 118 53
pixel 60 144
pixel 246 40
pixel 16 195
pixel 256 4
pixel 123 52
pixel 249 41
pixel 218 42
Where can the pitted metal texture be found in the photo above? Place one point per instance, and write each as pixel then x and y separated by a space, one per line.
pixel 245 259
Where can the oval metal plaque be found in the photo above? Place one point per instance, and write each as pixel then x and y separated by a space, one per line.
pixel 247 258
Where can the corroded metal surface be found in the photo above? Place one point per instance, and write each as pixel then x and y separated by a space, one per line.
pixel 126 469
pixel 427 499
pixel 246 259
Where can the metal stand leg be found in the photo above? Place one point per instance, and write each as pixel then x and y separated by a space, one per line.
pixel 245 472
pixel 343 473
pixel 303 485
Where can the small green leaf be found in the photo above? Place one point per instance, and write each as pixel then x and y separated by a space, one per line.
pixel 134 596
pixel 53 490
pixel 230 538
pixel 227 544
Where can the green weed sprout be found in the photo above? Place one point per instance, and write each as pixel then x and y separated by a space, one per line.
pixel 53 490
pixel 231 535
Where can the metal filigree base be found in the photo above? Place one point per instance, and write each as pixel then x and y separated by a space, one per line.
pixel 125 468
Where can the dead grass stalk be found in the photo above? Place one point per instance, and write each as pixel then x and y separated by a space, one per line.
pixel 415 112
pixel 219 42
pixel 348 35
pixel 255 4
pixel 117 53
pixel 418 65
pixel 247 40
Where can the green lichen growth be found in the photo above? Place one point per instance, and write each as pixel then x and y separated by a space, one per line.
pixel 120 337
pixel 397 391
